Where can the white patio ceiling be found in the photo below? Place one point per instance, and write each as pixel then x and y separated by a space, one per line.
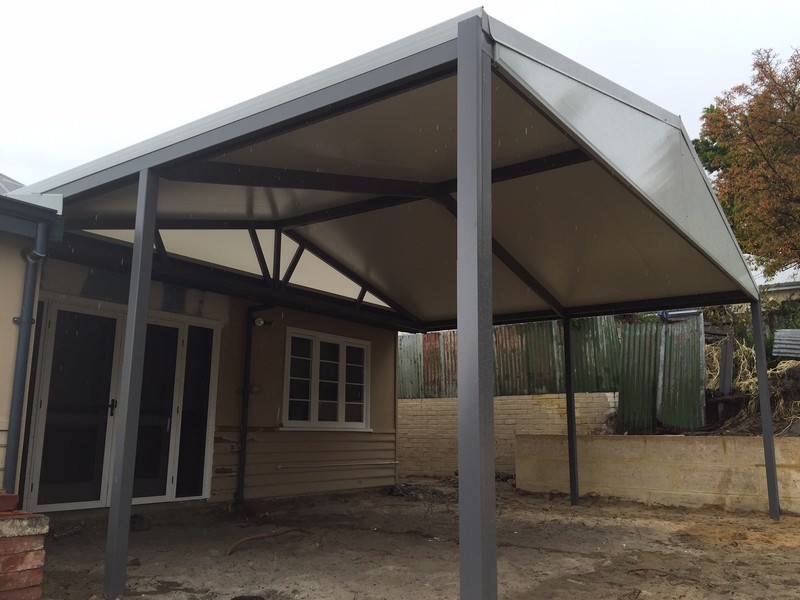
pixel 598 202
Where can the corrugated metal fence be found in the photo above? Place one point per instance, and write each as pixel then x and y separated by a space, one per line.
pixel 662 377
pixel 529 359
pixel 658 369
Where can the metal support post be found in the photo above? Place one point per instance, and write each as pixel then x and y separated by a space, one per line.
pixel 572 430
pixel 766 412
pixel 476 493
pixel 124 445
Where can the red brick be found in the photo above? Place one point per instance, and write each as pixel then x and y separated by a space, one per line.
pixel 8 502
pixel 22 561
pixel 23 543
pixel 21 579
pixel 31 593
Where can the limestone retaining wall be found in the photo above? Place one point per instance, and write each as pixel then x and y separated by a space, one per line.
pixel 692 471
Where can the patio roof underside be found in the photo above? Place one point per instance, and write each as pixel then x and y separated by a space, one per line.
pixel 598 205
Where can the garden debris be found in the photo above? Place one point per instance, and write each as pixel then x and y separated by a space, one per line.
pixel 260 536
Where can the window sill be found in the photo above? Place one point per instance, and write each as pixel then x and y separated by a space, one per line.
pixel 327 429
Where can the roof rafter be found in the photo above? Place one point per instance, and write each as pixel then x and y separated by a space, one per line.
pixel 352 275
pixel 262 261
pixel 513 265
pixel 116 257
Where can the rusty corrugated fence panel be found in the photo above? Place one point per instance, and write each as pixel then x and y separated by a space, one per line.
pixel 432 368
pixel 510 357
pixel 682 401
pixel 449 383
pixel 529 359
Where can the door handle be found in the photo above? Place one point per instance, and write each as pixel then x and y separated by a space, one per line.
pixel 112 406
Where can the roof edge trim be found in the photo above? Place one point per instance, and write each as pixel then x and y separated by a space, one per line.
pixel 510 38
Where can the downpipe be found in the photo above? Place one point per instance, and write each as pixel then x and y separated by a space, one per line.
pixel 25 322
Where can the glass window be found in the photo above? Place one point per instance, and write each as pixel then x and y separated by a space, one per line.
pixel 326 381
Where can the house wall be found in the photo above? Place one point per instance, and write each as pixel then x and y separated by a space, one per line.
pixel 278 462
pixel 12 274
pixel 692 471
pixel 281 462
pixel 427 435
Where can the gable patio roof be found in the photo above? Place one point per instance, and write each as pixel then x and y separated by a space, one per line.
pixel 599 203
pixel 464 174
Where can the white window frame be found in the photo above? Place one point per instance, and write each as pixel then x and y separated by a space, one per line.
pixel 313 424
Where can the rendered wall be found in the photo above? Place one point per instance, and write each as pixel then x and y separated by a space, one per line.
pixel 12 273
pixel 691 471
pixel 427 436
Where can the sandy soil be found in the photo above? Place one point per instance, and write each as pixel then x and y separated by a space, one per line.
pixel 377 545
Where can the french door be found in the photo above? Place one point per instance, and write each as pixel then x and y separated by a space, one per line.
pixel 75 413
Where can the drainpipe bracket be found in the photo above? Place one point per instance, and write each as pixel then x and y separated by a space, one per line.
pixel 18 320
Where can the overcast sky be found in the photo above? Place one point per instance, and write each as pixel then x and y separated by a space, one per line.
pixel 83 79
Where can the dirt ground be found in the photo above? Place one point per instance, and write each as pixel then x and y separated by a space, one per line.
pixel 404 545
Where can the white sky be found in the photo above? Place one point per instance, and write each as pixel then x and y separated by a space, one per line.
pixel 85 78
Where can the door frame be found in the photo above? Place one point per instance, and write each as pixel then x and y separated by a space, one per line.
pixel 41 401
pixel 52 303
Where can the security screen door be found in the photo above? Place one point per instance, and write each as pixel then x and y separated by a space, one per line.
pixel 82 385
pixel 77 410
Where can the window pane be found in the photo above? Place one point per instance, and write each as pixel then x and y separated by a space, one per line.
pixel 301 347
pixel 355 355
pixel 298 410
pixel 328 371
pixel 329 351
pixel 301 367
pixel 354 393
pixel 328 391
pixel 355 374
pixel 354 413
pixel 299 389
pixel 328 411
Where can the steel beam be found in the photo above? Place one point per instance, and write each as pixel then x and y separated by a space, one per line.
pixel 271 177
pixel 572 430
pixel 476 485
pixel 766 412
pixel 127 416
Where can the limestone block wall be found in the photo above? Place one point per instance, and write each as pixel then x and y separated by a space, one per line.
pixel 427 431
pixel 691 471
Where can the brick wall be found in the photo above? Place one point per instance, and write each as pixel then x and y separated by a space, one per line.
pixel 427 436
pixel 21 551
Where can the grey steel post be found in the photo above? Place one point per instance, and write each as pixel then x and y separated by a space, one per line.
pixel 476 489
pixel 766 412
pixel 127 415
pixel 572 430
